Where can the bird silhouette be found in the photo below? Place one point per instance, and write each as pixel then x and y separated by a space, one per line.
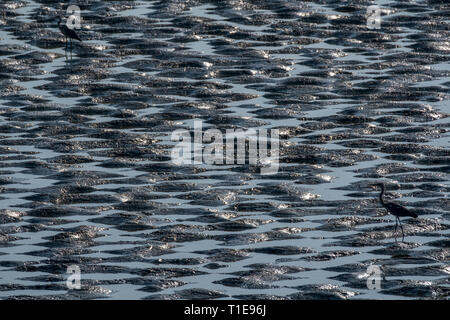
pixel 396 210
pixel 68 33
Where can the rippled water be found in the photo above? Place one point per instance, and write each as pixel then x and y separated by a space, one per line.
pixel 86 176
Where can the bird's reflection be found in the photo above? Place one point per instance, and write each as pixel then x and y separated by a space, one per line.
pixel 68 53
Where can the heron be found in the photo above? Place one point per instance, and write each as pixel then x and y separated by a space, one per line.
pixel 396 210
pixel 67 32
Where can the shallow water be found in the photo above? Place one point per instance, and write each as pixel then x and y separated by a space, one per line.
pixel 86 177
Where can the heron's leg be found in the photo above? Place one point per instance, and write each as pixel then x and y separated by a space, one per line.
pixel 396 224
pixel 403 234
pixel 395 230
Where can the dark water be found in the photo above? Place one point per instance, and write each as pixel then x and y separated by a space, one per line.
pixel 86 176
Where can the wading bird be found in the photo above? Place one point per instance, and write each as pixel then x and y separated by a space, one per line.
pixel 396 210
pixel 67 32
